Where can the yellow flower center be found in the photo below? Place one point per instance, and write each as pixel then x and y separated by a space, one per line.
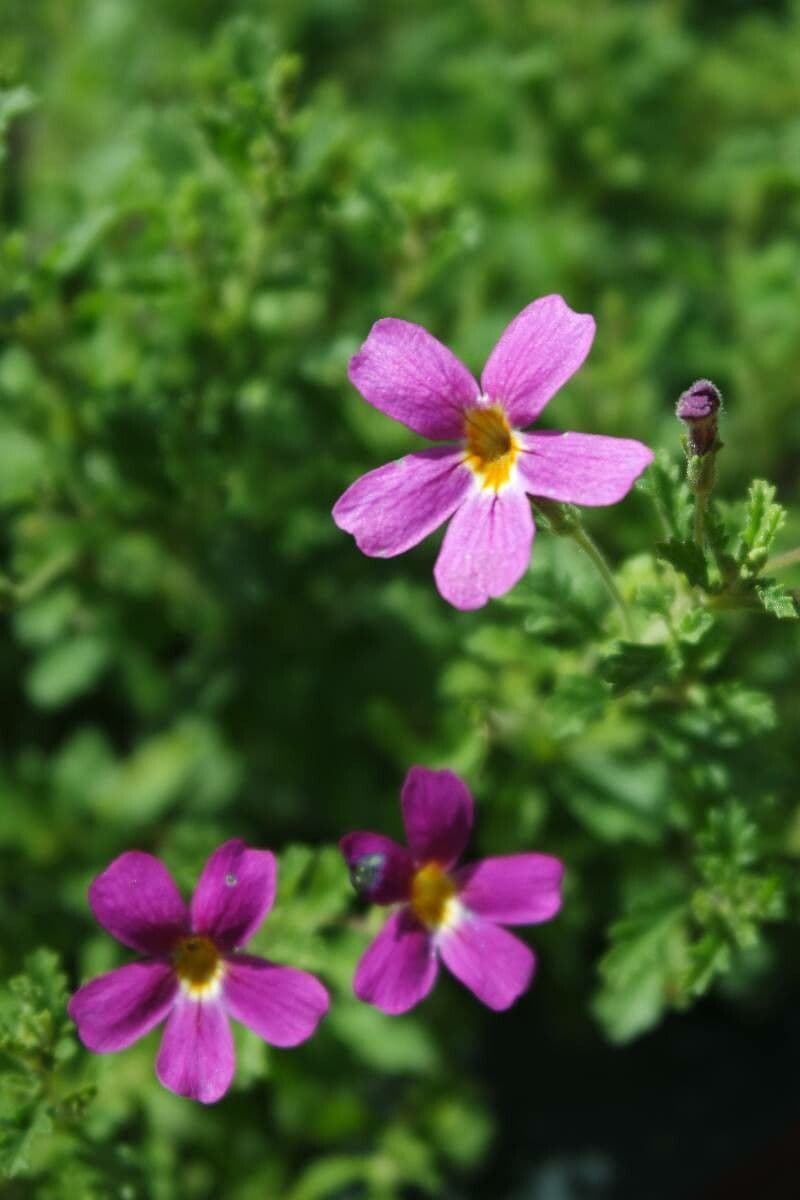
pixel 198 966
pixel 432 896
pixel 492 446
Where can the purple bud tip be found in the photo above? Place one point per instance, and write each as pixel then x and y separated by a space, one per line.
pixel 700 402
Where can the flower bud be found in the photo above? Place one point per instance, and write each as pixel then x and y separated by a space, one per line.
pixel 698 408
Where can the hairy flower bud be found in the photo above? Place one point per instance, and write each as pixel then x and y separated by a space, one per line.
pixel 698 408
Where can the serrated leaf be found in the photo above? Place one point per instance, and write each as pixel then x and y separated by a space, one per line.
pixel 748 710
pixel 634 665
pixel 670 495
pixel 577 700
pixel 706 958
pixel 17 1138
pixel 687 558
pixel 776 600
pixel 739 904
pixel 728 842
pixel 33 1036
pixel 637 969
pixel 763 520
pixel 616 799
pixel 734 899
pixel 730 715
pixel 694 626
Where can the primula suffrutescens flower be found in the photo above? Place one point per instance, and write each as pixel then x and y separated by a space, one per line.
pixel 446 912
pixel 194 975
pixel 481 478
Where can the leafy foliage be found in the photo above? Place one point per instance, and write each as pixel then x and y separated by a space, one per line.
pixel 203 210
pixel 36 1048
pixel 762 523
pixel 687 558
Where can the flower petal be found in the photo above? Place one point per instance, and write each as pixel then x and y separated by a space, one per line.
pixel 196 1057
pixel 406 373
pixel 281 1004
pixel 516 889
pixel 580 468
pixel 537 353
pixel 486 549
pixel 437 813
pixel 136 900
pixel 234 893
pixel 116 1009
pixel 391 509
pixel 492 963
pixel 385 867
pixel 399 968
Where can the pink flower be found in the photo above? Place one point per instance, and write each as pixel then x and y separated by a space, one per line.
pixel 481 476
pixel 194 976
pixel 446 912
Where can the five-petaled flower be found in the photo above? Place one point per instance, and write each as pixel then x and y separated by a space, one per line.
pixel 482 476
pixel 194 975
pixel 446 912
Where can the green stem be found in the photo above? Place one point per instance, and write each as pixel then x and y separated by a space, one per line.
pixel 700 476
pixel 593 551
pixel 700 502
pixel 782 560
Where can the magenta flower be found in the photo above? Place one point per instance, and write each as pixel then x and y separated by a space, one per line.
pixel 194 976
pixel 481 477
pixel 446 912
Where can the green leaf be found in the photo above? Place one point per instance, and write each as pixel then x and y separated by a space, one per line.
pixel 706 958
pixel 727 715
pixel 748 711
pixel 462 1130
pixel 763 520
pixel 67 670
pixel 776 600
pixel 728 843
pixel 23 464
pixel 34 1043
pixel 14 102
pixel 635 665
pixel 695 626
pixel 576 702
pixel 670 495
pixel 18 1137
pixel 636 971
pixel 411 1048
pixel 32 1007
pixel 735 899
pixel 329 1176
pixel 618 800
pixel 686 558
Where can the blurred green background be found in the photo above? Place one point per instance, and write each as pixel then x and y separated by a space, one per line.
pixel 204 207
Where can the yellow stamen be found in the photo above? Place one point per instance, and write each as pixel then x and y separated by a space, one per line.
pixel 433 896
pixel 492 446
pixel 198 966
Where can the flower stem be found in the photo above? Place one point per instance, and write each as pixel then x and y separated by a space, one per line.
pixel 700 476
pixel 782 560
pixel 593 551
pixel 700 502
pixel 565 521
